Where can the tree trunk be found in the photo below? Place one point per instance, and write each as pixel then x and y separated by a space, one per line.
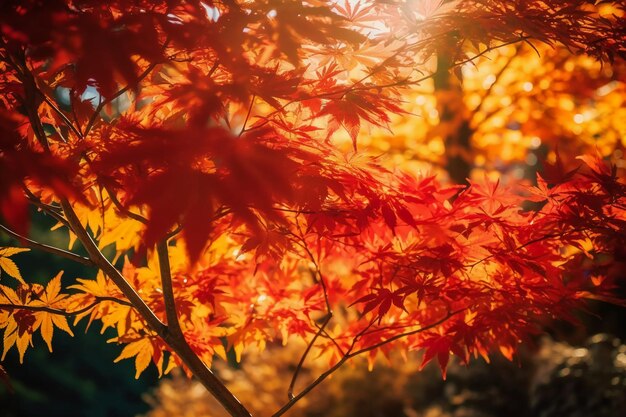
pixel 453 117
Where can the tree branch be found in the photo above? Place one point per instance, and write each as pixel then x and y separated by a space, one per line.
pixel 243 127
pixel 525 244
pixel 405 334
pixel 178 345
pixel 50 249
pixel 102 103
pixel 58 111
pixel 175 337
pixel 329 312
pixel 46 208
pixel 135 216
pixel 304 355
pixel 168 291
pixel 349 355
pixel 60 312
pixel 310 387
pixel 103 263
pixel 332 339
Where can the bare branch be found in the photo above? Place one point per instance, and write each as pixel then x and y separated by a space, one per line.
pixel 168 291
pixel 304 355
pixel 52 211
pixel 60 312
pixel 46 248
pixel 243 128
pixel 356 86
pixel 350 355
pixel 58 111
pixel 103 263
pixel 108 100
pixel 405 334
pixel 329 313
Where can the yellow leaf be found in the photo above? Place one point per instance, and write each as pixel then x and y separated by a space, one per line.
pixel 238 347
pixel 142 349
pixel 8 295
pixel 142 361
pixel 10 268
pixel 22 343
pixel 51 295
pixel 61 323
pixel 220 351
pixel 72 241
pixel 117 316
pixel 171 364
pixel 4 252
pixel 130 350
pixel 47 329
pixel 10 335
pixel 97 287
pixel 46 323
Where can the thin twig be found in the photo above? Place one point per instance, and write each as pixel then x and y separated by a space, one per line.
pixel 350 355
pixel 522 246
pixel 135 216
pixel 331 338
pixel 310 387
pixel 60 312
pixel 58 111
pixel 108 100
pixel 116 202
pixel 40 203
pixel 329 312
pixel 403 335
pixel 50 249
pixel 243 128
pixel 46 208
pixel 174 232
pixel 304 355
pixel 216 64
pixel 402 82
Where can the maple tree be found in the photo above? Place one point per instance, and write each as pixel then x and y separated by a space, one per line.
pixel 199 141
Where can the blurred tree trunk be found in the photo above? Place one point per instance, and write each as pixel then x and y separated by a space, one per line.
pixel 453 116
